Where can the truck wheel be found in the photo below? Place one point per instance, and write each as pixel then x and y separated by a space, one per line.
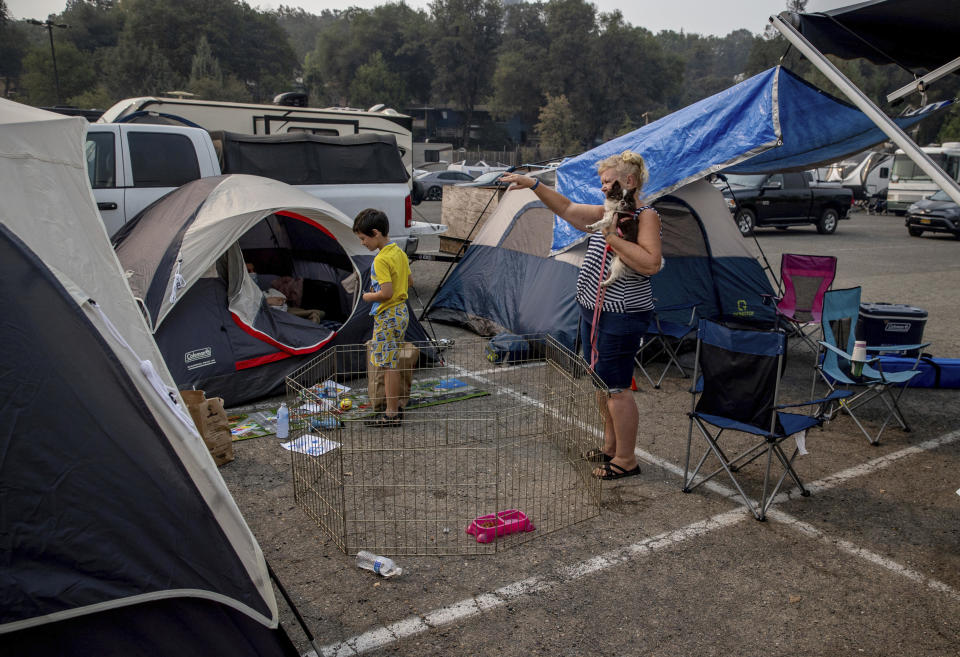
pixel 915 232
pixel 828 221
pixel 434 193
pixel 746 220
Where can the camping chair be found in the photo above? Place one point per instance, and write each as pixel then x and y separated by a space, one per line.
pixel 665 338
pixel 737 374
pixel 806 278
pixel 841 310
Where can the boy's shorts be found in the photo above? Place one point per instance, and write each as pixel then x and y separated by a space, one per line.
pixel 617 340
pixel 389 326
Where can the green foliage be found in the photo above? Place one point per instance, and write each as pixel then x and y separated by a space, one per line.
pixel 204 64
pixel 74 71
pixel 950 130
pixel 134 69
pixel 95 98
pixel 466 35
pixel 13 48
pixel 558 127
pixel 376 83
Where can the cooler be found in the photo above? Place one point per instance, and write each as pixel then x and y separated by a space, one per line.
pixel 891 324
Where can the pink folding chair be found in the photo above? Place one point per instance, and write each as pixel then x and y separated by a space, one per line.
pixel 806 278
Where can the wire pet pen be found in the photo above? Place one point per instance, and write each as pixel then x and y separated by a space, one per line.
pixel 486 447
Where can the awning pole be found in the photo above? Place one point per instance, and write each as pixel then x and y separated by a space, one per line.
pixel 857 97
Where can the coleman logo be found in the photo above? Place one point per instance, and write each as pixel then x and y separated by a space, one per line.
pixel 197 354
pixel 897 327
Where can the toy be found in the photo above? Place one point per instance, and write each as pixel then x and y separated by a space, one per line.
pixel 346 404
pixel 487 528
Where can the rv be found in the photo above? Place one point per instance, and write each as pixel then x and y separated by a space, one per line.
pixel 253 119
pixel 909 183
pixel 867 175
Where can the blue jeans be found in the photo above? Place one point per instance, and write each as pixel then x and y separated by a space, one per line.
pixel 618 338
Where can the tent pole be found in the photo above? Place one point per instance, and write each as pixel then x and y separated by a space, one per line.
pixel 456 258
pixel 293 608
pixel 858 98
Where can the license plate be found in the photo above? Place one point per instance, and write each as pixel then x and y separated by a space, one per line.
pixel 924 221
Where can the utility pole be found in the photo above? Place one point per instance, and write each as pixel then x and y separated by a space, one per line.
pixel 49 25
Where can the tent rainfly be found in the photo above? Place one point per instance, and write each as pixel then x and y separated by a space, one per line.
pixel 186 259
pixel 101 463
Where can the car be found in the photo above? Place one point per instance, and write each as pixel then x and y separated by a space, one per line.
pixel 935 214
pixel 433 182
pixel 488 179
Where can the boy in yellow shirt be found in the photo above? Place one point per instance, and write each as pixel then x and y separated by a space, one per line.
pixel 390 279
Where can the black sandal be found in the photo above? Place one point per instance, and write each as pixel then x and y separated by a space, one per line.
pixel 614 471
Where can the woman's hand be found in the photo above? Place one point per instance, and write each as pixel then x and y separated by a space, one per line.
pixel 518 181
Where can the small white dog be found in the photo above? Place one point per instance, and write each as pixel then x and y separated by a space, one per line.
pixel 620 208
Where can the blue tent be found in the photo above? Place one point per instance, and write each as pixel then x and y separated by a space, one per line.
pixel 773 121
pixel 519 274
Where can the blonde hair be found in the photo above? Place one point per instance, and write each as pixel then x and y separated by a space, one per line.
pixel 625 164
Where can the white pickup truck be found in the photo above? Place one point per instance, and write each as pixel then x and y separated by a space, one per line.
pixel 132 165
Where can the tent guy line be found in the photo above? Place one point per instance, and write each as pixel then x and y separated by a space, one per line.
pixel 380 637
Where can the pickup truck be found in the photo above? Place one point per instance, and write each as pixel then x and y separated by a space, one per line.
pixel 785 199
pixel 131 165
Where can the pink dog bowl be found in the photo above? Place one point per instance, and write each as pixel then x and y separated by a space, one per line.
pixel 487 528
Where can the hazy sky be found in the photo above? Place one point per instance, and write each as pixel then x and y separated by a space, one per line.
pixel 697 16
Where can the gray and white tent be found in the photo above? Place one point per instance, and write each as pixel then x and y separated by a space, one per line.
pixel 185 258
pixel 118 534
pixel 509 279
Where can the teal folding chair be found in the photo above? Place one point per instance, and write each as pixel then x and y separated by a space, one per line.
pixel 841 311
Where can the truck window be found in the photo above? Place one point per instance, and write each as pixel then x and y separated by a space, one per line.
pixel 794 181
pixel 162 160
pixel 101 160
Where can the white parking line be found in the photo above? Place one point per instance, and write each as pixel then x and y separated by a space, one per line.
pixel 863 553
pixel 382 636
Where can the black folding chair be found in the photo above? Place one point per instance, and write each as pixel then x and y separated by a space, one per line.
pixel 737 383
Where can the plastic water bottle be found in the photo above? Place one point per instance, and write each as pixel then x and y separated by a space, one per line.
pixel 858 357
pixel 283 421
pixel 381 565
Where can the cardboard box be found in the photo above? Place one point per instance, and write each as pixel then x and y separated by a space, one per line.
pixel 211 421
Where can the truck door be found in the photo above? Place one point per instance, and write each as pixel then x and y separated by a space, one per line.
pixel 796 196
pixel 773 201
pixel 105 171
pixel 159 163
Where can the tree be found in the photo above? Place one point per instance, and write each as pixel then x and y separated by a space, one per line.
pixel 74 70
pixel 517 78
pixel 399 33
pixel 376 83
pixel 558 127
pixel 466 36
pixel 135 69
pixel 13 48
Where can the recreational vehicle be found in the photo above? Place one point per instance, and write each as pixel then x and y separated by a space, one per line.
pixel 909 183
pixel 253 119
pixel 866 175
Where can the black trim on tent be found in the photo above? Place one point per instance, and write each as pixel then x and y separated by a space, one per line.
pixel 95 497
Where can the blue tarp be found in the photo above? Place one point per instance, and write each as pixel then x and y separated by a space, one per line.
pixel 770 122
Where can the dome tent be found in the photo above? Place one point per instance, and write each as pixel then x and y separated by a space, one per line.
pixel 101 462
pixel 185 259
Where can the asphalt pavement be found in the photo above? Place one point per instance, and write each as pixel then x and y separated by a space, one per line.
pixel 867 564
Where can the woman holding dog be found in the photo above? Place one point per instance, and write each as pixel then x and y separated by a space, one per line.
pixel 613 319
